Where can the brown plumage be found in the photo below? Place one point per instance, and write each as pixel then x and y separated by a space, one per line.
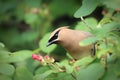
pixel 70 39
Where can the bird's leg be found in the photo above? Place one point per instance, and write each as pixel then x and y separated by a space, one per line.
pixel 93 50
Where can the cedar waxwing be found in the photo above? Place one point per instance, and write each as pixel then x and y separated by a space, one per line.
pixel 70 39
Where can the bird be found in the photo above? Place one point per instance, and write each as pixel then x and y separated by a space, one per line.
pixel 69 39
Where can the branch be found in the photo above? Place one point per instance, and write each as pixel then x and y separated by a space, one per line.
pixel 86 23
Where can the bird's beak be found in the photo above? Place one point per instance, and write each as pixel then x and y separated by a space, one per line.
pixel 50 43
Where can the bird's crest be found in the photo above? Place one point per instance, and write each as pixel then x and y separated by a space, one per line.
pixel 58 29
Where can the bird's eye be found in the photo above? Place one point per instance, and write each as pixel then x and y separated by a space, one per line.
pixel 56 34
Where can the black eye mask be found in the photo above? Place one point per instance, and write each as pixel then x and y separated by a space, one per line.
pixel 55 36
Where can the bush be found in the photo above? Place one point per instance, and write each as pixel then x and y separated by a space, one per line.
pixel 25 29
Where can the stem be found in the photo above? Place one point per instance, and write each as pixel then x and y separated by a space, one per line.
pixel 73 76
pixel 86 23
pixel 36 50
pixel 56 67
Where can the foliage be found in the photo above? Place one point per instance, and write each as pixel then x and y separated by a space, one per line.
pixel 25 27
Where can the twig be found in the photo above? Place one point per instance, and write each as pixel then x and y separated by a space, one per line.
pixel 86 23
pixel 56 67
pixel 73 76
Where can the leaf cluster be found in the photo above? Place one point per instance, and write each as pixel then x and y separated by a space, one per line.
pixel 25 27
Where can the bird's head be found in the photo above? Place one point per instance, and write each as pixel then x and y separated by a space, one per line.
pixel 56 36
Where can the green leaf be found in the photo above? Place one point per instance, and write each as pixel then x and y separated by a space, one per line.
pixel 88 41
pixel 116 68
pixel 92 72
pixel 101 53
pixel 105 30
pixel 63 76
pixel 4 54
pixel 43 43
pixel 66 65
pixel 43 75
pixel 22 73
pixel 28 36
pixel 7 69
pixel 117 16
pixel 42 70
pixel 8 5
pixel 20 55
pixel 88 6
pixel 113 71
pixel 4 77
pixel 32 3
pixel 17 56
pixel 103 21
pixel 31 18
pixel 58 10
pixel 92 22
pixel 84 61
pixel 2 45
pixel 114 4
pixel 69 69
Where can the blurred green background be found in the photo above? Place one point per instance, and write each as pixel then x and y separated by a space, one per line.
pixel 24 22
pixel 25 27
